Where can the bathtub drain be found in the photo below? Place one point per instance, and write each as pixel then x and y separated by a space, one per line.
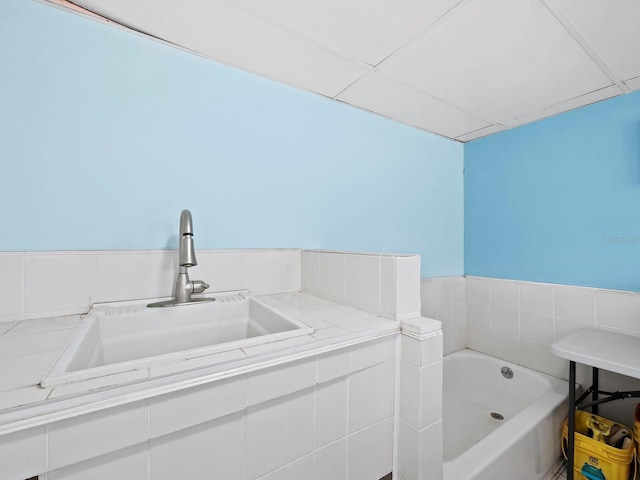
pixel 497 416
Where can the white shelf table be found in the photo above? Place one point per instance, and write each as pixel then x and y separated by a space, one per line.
pixel 599 349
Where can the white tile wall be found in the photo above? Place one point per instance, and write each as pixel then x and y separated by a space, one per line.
pixel 271 271
pixel 210 450
pixel 367 459
pixel 333 365
pixel 59 282
pixel 363 281
pixel 330 462
pixel 420 452
pixel 23 454
pixel 443 299
pixel 371 395
pixel 301 468
pixel 519 321
pixel 310 273
pixel 575 303
pixel 279 381
pixel 120 274
pixel 35 284
pixel 331 412
pixel 407 287
pixel 88 436
pixel 423 352
pixel 279 432
pixel 431 447
pixel 196 405
pixel 373 353
pixel 128 463
pixel 618 310
pixel 408 451
pixel 386 285
pixel 11 287
pixel 222 270
pixel 332 271
pixel 536 298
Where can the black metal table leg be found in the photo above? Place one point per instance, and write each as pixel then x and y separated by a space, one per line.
pixel 596 387
pixel 571 423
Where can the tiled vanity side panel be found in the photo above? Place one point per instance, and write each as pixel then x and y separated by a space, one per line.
pixel 386 285
pixel 311 415
pixel 443 299
pixel 23 454
pixel 49 284
pixel 88 436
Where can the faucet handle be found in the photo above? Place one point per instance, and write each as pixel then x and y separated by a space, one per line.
pixel 198 286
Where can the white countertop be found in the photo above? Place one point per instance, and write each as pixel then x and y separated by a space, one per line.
pixel 610 351
pixel 28 348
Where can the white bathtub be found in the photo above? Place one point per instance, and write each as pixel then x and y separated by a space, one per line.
pixel 523 446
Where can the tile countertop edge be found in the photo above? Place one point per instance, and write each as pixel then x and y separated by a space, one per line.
pixel 42 413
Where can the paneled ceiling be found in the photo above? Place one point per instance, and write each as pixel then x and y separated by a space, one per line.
pixel 461 69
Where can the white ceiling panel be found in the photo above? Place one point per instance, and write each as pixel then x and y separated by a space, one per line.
pixel 377 93
pixel 633 84
pixel 227 34
pixel 369 30
pixel 612 28
pixel 565 106
pixel 497 59
pixel 460 68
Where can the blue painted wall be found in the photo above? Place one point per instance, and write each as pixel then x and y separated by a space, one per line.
pixel 558 200
pixel 105 136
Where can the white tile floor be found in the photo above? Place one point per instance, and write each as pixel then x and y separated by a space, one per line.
pixel 558 473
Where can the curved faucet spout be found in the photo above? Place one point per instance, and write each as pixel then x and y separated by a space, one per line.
pixel 187 255
pixel 186 223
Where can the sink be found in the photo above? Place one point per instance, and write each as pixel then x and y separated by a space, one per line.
pixel 124 336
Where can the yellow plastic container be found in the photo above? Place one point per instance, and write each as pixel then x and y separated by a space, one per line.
pixel 594 460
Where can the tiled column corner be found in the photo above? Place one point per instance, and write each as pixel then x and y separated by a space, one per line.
pixel 420 427
pixel 407 286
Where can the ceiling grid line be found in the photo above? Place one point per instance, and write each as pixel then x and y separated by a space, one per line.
pixel 439 21
pixel 575 32
pixel 291 31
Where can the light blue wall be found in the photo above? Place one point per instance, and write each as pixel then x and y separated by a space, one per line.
pixel 558 200
pixel 105 136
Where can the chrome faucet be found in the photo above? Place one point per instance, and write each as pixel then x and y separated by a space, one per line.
pixel 186 259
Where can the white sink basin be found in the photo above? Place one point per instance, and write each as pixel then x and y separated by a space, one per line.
pixel 118 337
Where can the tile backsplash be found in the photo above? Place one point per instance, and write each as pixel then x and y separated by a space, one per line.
pixel 40 284
pixel 443 299
pixel 519 321
pixel 50 284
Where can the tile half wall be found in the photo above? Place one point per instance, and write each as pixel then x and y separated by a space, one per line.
pixel 519 321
